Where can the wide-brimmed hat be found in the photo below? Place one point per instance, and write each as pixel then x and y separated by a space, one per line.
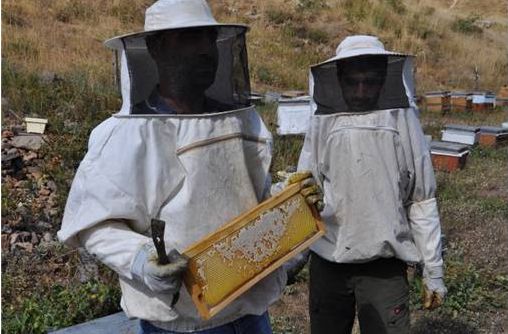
pixel 173 14
pixel 361 45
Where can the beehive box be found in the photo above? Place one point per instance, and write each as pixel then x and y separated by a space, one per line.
pixel 491 136
pixel 448 156
pixel 461 101
pixel 503 92
pixel 229 261
pixel 437 101
pixel 35 125
pixel 293 116
pixel 483 101
pixel 502 97
pixel 463 134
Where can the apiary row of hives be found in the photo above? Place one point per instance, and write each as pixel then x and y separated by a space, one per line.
pixel 460 101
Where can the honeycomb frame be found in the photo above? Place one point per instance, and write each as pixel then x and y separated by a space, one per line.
pixel 250 246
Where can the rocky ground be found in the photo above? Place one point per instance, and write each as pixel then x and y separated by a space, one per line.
pixel 473 205
pixel 29 204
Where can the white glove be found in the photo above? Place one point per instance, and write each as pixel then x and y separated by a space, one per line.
pixel 165 278
pixel 434 292
pixel 310 190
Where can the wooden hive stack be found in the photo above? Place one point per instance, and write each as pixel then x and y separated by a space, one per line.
pixel 502 97
pixel 461 101
pixel 438 101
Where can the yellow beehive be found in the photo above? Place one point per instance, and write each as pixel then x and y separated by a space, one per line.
pixel 229 261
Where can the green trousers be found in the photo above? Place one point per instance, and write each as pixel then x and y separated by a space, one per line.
pixel 377 290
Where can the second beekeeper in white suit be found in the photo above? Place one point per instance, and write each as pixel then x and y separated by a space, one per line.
pixel 365 146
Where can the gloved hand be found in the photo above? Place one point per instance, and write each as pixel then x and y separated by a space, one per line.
pixel 434 292
pixel 165 278
pixel 310 190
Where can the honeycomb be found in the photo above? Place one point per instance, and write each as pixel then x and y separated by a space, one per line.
pixel 248 249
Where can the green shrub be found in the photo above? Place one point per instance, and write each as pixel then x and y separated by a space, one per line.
pixel 265 76
pixel 311 4
pixel 356 10
pixel 397 6
pixel 381 17
pixel 23 48
pixel 467 25
pixel 14 15
pixel 317 36
pixel 75 10
pixel 428 10
pixel 420 27
pixel 278 16
pixel 303 32
pixel 129 12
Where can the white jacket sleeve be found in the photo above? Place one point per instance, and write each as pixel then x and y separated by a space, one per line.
pixel 426 229
pixel 422 205
pixel 308 159
pixel 114 244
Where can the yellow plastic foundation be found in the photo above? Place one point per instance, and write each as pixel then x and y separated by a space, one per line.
pixel 228 262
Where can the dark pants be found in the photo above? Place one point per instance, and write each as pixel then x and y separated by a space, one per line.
pixel 378 290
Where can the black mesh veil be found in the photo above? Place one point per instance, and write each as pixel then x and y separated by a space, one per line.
pixel 396 91
pixel 230 88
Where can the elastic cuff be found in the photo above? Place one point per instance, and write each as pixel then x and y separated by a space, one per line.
pixel 433 272
pixel 139 260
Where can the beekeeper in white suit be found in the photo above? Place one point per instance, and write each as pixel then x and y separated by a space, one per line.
pixel 186 148
pixel 365 146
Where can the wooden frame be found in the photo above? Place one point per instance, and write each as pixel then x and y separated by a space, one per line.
pixel 192 283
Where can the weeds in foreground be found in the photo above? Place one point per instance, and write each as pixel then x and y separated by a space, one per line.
pixel 41 290
pixel 60 306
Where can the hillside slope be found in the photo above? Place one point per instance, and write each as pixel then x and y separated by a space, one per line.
pixel 286 36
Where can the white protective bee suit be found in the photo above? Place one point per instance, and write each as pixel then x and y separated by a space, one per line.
pixel 195 172
pixel 374 167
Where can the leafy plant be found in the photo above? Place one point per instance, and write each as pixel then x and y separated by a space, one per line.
pixel 311 4
pixel 278 16
pixel 356 10
pixel 60 306
pixel 397 6
pixel 467 25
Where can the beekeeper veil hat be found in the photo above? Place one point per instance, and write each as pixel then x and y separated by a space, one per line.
pixel 397 88
pixel 229 86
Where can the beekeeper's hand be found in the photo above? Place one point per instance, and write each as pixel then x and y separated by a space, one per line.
pixel 165 278
pixel 434 292
pixel 310 190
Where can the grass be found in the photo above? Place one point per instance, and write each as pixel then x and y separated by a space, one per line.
pixel 60 306
pixel 285 38
pixel 41 291
pixel 467 25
